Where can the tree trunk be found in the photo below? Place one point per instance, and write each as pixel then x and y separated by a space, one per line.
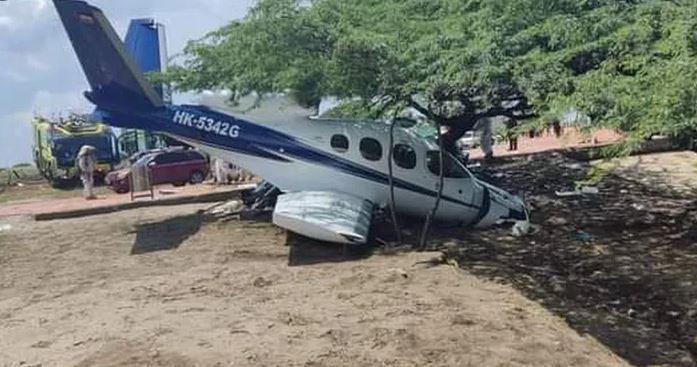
pixel 456 129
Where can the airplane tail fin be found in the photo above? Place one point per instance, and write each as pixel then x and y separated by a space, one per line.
pixel 146 42
pixel 114 77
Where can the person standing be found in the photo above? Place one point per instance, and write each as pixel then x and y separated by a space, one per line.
pixel 556 125
pixel 511 125
pixel 86 162
pixel 532 133
pixel 487 139
pixel 220 172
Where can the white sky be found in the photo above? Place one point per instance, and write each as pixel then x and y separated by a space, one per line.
pixel 39 72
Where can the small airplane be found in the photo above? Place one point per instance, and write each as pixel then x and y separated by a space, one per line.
pixel 333 173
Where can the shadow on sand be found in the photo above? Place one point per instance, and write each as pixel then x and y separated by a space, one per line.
pixel 303 251
pixel 620 265
pixel 165 235
pixel 306 251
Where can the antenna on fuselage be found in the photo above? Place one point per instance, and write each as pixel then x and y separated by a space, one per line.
pixel 432 213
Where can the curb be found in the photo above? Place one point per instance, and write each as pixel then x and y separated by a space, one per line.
pixel 195 199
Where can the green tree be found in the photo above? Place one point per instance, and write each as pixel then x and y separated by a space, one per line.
pixel 629 65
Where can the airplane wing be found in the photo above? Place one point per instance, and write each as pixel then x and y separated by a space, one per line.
pixel 327 216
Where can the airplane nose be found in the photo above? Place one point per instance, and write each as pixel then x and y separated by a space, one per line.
pixel 498 205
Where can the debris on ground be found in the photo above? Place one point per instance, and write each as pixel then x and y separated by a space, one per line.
pixel 583 190
pixel 226 209
pixel 557 221
pixel 583 236
pixel 576 166
pixel 521 228
pixel 169 191
pixel 398 273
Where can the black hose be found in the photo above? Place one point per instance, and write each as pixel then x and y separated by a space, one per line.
pixel 432 213
pixel 393 210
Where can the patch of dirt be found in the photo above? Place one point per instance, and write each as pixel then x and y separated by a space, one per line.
pixel 124 353
pixel 162 287
pixel 670 171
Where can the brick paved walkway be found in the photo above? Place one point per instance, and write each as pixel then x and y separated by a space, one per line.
pixel 104 201
pixel 570 139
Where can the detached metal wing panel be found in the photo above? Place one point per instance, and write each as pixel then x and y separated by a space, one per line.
pixel 326 216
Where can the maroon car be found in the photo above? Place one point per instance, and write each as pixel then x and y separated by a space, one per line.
pixel 175 167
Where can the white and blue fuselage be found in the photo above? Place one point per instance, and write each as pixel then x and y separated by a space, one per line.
pixel 296 154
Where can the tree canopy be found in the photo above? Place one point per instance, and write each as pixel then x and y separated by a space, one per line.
pixel 626 64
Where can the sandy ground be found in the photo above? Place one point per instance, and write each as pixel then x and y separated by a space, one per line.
pixel 678 169
pixel 161 287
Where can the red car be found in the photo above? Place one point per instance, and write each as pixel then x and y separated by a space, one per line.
pixel 175 167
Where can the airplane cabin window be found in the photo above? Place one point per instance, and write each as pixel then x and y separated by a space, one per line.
pixel 404 156
pixel 340 143
pixel 371 149
pixel 452 168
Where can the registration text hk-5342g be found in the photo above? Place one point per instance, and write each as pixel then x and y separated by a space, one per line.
pixel 207 124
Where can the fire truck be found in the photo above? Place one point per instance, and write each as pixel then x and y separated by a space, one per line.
pixel 57 143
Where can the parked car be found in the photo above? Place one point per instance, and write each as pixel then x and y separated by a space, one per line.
pixel 470 140
pixel 175 167
pixel 138 155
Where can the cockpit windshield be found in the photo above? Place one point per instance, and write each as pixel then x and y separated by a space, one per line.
pixel 452 167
